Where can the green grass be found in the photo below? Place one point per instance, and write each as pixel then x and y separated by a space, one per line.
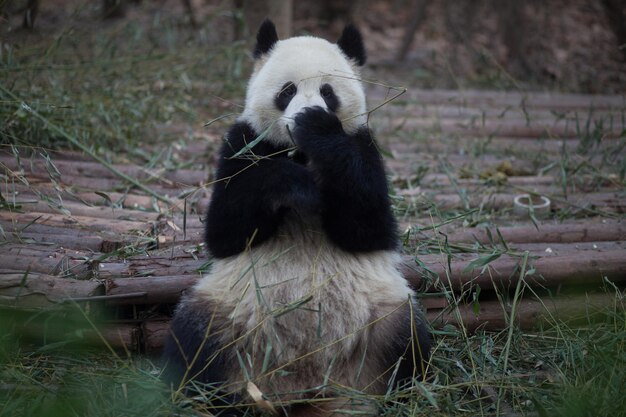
pixel 54 363
pixel 560 370
pixel 117 85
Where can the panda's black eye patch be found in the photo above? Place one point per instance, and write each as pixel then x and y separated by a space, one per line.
pixel 329 96
pixel 284 96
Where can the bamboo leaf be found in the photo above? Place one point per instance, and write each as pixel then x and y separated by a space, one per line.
pixel 480 262
pixel 252 144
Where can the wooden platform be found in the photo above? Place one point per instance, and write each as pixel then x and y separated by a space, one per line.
pixel 74 231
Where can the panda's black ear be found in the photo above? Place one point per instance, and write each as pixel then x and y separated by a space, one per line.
pixel 351 43
pixel 266 37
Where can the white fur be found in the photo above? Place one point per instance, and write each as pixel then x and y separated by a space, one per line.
pixel 351 291
pixel 309 63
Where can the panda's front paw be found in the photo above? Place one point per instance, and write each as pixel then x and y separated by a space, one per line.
pixel 315 121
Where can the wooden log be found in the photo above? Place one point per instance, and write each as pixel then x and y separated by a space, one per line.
pixel 172 275
pixel 155 334
pixel 35 290
pixel 47 260
pixel 150 266
pixel 156 289
pixel 120 226
pixel 605 201
pixel 126 200
pixel 530 313
pixel 69 326
pixel 435 180
pixel 571 269
pixel 477 113
pixel 606 230
pixel 84 242
pixel 498 144
pixel 89 170
pixel 580 267
pixel 171 237
pixel 506 128
pixel 66 237
pixel 557 249
pixel 404 164
pixel 506 99
pixel 22 193
pixel 100 212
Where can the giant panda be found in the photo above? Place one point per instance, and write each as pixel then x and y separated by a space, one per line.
pixel 304 299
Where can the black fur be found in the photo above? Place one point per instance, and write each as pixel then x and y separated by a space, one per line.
pixel 254 192
pixel 411 344
pixel 192 352
pixel 356 211
pixel 351 43
pixel 265 39
pixel 344 182
pixel 330 98
pixel 285 95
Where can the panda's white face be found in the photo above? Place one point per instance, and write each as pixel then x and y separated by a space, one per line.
pixel 298 73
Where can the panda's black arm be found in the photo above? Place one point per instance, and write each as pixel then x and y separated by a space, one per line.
pixel 356 210
pixel 253 192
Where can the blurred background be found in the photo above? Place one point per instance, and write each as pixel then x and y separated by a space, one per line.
pixel 573 45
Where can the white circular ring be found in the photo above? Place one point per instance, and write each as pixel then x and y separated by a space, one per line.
pixel 522 208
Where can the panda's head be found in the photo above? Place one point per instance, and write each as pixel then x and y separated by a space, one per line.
pixel 292 74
